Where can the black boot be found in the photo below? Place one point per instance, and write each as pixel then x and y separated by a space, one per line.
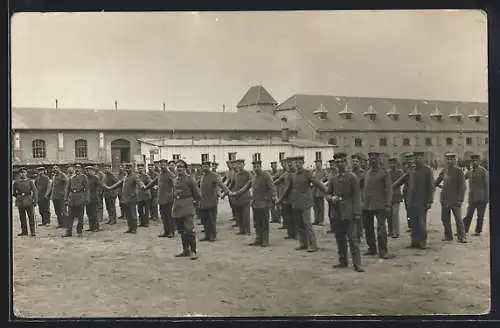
pixel 185 247
pixel 192 244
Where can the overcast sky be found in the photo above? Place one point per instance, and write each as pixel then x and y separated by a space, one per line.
pixel 199 61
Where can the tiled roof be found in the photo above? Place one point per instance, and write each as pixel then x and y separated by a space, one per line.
pixel 297 142
pixel 141 120
pixel 307 104
pixel 256 95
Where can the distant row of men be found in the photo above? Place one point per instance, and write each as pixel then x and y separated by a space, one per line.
pixel 355 198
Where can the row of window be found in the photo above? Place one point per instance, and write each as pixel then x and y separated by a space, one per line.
pixel 358 142
pixel 39 149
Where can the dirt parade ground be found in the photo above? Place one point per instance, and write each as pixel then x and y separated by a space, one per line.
pixel 110 273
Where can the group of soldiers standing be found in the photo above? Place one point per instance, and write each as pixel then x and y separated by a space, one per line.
pixel 354 197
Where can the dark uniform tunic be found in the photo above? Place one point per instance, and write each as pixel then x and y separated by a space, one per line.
pixel 183 210
pixel 284 183
pixel 241 202
pixel 319 197
pixel 153 202
pixel 58 192
pixel 25 192
pixel 376 203
pixel 77 196
pixel 42 183
pixel 121 176
pixel 110 196
pixel 397 198
pixel 347 212
pixel 210 182
pixel 263 199
pixel 231 177
pixel 360 174
pixel 95 183
pixel 452 197
pixel 143 200
pixel 478 197
pixel 100 196
pixel 130 189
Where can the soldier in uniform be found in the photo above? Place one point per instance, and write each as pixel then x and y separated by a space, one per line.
pixel 275 210
pixel 100 192
pixel 285 198
pixel 58 192
pixel 331 171
pixel 215 166
pixel 344 194
pixel 77 195
pixel 25 192
pixel 478 194
pixel 94 187
pixel 185 193
pixel 143 197
pixel 280 183
pixel 301 200
pixel 419 195
pixel 210 183
pixel 359 173
pixel 407 166
pixel 318 195
pixel 241 200
pixel 153 201
pixel 121 176
pixel 110 195
pixel 231 173
pixel 263 199
pixel 377 203
pixel 452 197
pixel 393 219
pixel 42 183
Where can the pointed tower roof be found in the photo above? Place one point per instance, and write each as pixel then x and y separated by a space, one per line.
pixel 256 95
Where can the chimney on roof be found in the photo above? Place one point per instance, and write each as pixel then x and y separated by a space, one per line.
pixel 285 134
pixel 116 104
pixel 163 105
pixel 56 104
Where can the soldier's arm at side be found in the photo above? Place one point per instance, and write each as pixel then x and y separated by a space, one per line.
pixel 356 196
pixel 430 187
pixel 86 188
pixel 286 190
pixel 388 190
pixel 50 185
pixel 35 192
pixel 272 187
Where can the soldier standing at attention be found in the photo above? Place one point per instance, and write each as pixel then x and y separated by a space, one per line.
pixel 318 195
pixel 452 197
pixel 110 195
pixel 42 183
pixel 231 173
pixel 214 167
pixel 143 197
pixel 377 203
pixel 153 202
pixel 185 193
pixel 94 184
pixel 263 198
pixel 360 174
pixel 77 195
pixel 275 210
pixel 331 171
pixel 280 183
pixel 210 183
pixel 407 166
pixel 58 192
pixel 344 193
pixel 397 197
pixel 419 195
pixel 241 200
pixel 100 192
pixel 121 176
pixel 25 192
pixel 285 199
pixel 301 200
pixel 478 194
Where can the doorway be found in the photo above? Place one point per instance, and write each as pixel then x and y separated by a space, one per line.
pixel 120 152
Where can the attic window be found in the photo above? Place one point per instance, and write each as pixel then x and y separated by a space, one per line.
pixel 321 112
pixel 393 113
pixel 456 114
pixel 475 115
pixel 284 119
pixel 346 112
pixel 436 114
pixel 372 115
pixel 416 114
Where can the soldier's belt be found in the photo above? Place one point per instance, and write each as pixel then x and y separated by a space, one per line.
pixel 182 197
pixel 74 190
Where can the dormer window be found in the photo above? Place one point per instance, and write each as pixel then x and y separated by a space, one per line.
pixel 416 114
pixel 436 114
pixel 475 115
pixel 346 112
pixel 393 113
pixel 456 114
pixel 370 113
pixel 321 112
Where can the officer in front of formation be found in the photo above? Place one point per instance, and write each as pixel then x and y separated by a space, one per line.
pixel 183 210
pixel 318 195
pixel 452 197
pixel 58 192
pixel 153 202
pixel 143 197
pixel 344 194
pixel 77 195
pixel 26 194
pixel 478 194
pixel 376 204
pixel 110 195
pixel 42 183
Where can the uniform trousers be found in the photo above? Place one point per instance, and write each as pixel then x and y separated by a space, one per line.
pixel 243 217
pixel 185 226
pixel 276 213
pixel 261 225
pixel 307 238
pixel 75 211
pixel 480 206
pixel 44 210
pixel 99 208
pixel 122 210
pixel 346 233
pixel 166 218
pixel 27 212
pixel 60 209
pixel 446 220
pixel 110 202
pixel 393 220
pixel 209 220
pixel 131 215
pixel 369 226
pixel 143 210
pixel 153 206
pixel 91 209
pixel 319 210
pixel 292 228
pixel 418 226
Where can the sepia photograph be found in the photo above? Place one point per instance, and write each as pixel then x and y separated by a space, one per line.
pixel 249 164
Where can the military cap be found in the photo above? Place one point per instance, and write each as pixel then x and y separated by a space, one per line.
pixel 22 169
pixel 89 167
pixel 288 159
pixel 408 155
pixel 274 162
pixel 298 158
pixel 78 165
pixel 206 163
pixel 475 157
pixel 256 161
pixel 450 155
pixel 150 165
pixel 182 163
pixel 356 156
pixel 332 161
pixel 373 154
pixel 215 164
pixel 164 160
pixel 229 161
pixel 340 155
pixel 128 164
pixel 393 159
pixel 171 162
pixel 418 153
pixel 40 168
pixel 239 160
pixel 318 161
pixel 140 165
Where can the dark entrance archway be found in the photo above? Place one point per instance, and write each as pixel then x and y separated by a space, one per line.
pixel 120 152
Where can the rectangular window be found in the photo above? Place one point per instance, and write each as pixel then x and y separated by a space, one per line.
pixel 231 156
pixel 281 156
pixel 358 142
pixel 449 141
pixel 204 158
pixel 38 148
pixel 256 157
pixel 332 141
pixel 176 157
pixel 468 141
pixel 81 150
pixel 318 156
pixel 152 155
pixel 60 141
pixel 428 141
pixel 485 141
pixel 406 141
pixel 382 142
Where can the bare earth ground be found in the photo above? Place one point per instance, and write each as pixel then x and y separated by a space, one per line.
pixel 110 273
